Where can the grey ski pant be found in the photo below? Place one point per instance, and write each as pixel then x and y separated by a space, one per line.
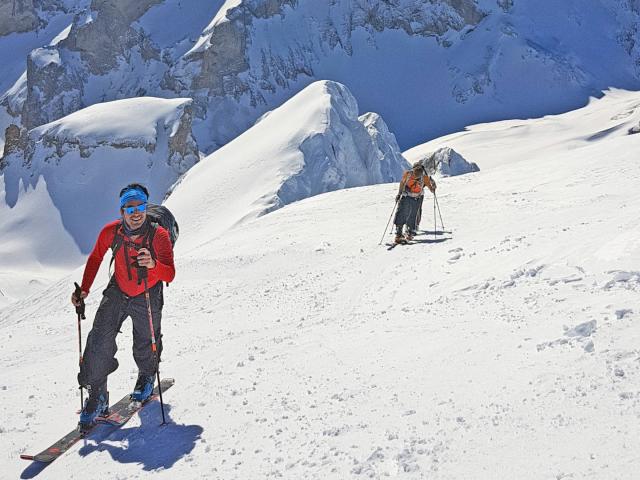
pixel 406 214
pixel 99 354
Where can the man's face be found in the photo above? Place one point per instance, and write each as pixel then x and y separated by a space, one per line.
pixel 136 218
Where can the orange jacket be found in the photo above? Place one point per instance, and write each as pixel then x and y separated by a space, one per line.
pixel 414 186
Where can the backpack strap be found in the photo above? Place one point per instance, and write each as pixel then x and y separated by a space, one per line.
pixel 148 240
pixel 118 240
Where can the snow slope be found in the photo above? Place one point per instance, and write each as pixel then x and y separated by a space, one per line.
pixel 302 349
pixel 312 144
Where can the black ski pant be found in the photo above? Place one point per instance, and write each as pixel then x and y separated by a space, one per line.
pixel 406 214
pixel 99 359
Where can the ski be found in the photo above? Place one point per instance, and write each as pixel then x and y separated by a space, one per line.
pixel 119 414
pixel 126 408
pixel 391 246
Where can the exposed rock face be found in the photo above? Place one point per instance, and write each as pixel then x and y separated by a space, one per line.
pixel 223 51
pixel 391 161
pixel 52 89
pixel 17 16
pixel 505 5
pixel 224 57
pixel 446 162
pixel 255 54
pixel 102 41
pixel 221 69
pixel 183 148
pixel 15 140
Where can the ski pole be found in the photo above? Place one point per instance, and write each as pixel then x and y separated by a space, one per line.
pixel 435 225
pixel 389 221
pixel 80 311
pixel 154 347
pixel 435 198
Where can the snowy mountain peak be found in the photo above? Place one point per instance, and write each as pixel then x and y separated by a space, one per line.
pixel 313 143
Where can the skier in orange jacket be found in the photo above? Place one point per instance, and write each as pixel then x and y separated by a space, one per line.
pixel 410 194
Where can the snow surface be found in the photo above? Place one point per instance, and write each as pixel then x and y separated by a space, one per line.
pixel 302 349
pixel 132 120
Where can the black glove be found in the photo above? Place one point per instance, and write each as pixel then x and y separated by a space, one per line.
pixel 397 197
pixel 77 298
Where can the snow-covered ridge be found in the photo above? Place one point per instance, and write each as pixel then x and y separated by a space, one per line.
pixel 111 144
pixel 134 122
pixel 610 117
pixel 313 143
pixel 130 123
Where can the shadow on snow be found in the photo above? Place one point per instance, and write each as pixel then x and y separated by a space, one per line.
pixel 151 445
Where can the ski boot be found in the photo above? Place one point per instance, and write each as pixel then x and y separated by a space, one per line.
pixel 97 405
pixel 399 237
pixel 143 389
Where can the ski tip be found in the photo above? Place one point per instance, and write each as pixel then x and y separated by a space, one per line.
pixel 24 456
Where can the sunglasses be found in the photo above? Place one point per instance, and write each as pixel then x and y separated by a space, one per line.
pixel 137 208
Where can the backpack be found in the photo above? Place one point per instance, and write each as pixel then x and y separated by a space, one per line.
pixel 158 215
pixel 413 184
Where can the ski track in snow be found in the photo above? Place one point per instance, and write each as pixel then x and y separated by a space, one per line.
pixel 302 349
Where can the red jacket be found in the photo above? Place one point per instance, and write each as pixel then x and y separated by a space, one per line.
pixel 164 271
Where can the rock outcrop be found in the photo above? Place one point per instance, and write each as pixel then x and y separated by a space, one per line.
pixel 446 162
pixel 17 16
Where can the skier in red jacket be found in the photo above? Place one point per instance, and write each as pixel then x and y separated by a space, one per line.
pixel 136 244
